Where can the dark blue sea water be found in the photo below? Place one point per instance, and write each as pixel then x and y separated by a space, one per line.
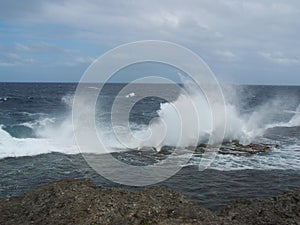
pixel 37 142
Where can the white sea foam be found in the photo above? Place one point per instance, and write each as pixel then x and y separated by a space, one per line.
pixel 3 99
pixel 285 157
pixel 57 135
pixel 244 127
pixel 130 95
pixel 295 120
pixel 16 147
pixel 42 122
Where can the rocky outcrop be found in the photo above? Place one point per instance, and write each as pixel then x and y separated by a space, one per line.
pixel 151 154
pixel 80 202
pixel 283 209
pixel 237 149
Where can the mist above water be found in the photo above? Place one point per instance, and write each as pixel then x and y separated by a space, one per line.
pixel 249 116
pixel 242 126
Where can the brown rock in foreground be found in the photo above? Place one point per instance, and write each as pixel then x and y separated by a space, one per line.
pixel 282 209
pixel 80 202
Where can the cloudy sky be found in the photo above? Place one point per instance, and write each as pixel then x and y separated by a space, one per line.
pixel 252 42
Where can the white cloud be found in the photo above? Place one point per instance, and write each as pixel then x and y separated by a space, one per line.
pixel 238 29
pixel 42 47
pixel 226 55
pixel 21 47
pixel 78 60
pixel 42 54
pixel 222 22
pixel 13 59
pixel 279 58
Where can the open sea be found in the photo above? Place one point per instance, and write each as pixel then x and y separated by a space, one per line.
pixel 37 143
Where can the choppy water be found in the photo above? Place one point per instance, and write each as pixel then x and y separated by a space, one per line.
pixel 37 142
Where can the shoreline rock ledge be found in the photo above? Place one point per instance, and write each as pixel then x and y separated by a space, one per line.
pixel 79 201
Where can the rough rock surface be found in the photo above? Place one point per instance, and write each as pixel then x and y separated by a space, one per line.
pixel 282 209
pixel 80 202
pixel 237 149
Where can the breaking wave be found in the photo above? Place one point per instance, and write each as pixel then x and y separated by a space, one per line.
pixel 55 133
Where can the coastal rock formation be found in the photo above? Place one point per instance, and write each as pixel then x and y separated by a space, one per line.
pixel 282 209
pixel 237 149
pixel 151 155
pixel 80 202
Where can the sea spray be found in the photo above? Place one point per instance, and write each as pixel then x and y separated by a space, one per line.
pixel 54 131
pixel 295 120
pixel 238 127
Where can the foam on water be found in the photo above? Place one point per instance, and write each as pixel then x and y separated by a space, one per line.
pixel 244 127
pixel 43 122
pixel 285 157
pixel 16 147
pixel 56 135
pixel 295 120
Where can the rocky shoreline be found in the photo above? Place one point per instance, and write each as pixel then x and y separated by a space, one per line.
pixel 79 201
pixel 152 155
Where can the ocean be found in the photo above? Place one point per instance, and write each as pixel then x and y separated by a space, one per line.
pixel 37 143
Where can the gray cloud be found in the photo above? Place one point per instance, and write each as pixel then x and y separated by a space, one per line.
pixel 242 22
pixel 13 59
pixel 42 47
pixel 223 32
pixel 280 58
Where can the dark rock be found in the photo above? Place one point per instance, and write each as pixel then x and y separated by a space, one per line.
pixel 166 150
pixel 200 150
pixel 283 209
pixel 235 148
pixel 227 148
pixel 80 202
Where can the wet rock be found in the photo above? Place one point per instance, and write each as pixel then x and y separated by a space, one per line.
pixel 166 150
pixel 235 148
pixel 227 148
pixel 200 149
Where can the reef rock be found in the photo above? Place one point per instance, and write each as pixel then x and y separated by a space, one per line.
pixel 235 148
pixel 283 209
pixel 80 202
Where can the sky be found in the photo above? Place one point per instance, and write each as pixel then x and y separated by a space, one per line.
pixel 242 41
